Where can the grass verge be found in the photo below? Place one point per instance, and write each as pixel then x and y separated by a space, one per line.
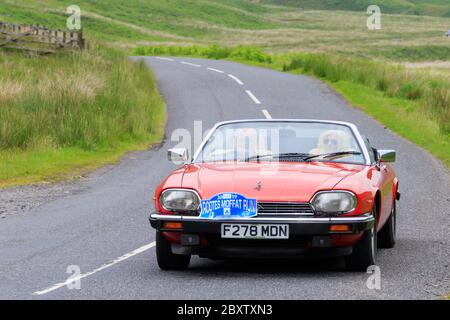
pixel 414 104
pixel 64 114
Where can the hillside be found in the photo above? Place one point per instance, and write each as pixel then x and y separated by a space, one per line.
pixel 242 22
pixel 440 8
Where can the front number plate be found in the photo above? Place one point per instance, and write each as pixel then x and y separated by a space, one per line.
pixel 255 231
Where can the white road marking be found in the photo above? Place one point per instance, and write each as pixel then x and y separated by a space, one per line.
pixel 215 70
pixel 252 96
pixel 191 64
pixel 103 267
pixel 266 114
pixel 166 59
pixel 236 79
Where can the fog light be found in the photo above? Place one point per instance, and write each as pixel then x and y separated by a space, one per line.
pixel 339 228
pixel 190 239
pixel 173 225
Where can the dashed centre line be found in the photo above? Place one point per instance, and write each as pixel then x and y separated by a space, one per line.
pixel 215 70
pixel 252 96
pixel 236 79
pixel 266 114
pixel 165 59
pixel 152 244
pixel 103 267
pixel 190 64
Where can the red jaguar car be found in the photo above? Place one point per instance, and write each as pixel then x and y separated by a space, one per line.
pixel 277 189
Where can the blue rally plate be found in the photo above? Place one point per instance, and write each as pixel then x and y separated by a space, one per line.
pixel 228 205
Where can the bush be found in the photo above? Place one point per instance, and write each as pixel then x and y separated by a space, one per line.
pixel 253 54
pixel 411 90
pixel 214 51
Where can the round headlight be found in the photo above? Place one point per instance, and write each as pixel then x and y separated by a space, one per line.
pixel 334 202
pixel 180 201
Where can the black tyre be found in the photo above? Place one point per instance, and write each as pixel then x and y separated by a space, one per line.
pixel 168 260
pixel 365 251
pixel 387 235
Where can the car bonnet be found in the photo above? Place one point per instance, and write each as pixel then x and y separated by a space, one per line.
pixel 266 181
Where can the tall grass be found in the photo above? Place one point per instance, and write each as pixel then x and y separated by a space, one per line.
pixel 75 110
pixel 431 92
pixel 88 99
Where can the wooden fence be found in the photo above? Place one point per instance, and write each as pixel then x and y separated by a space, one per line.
pixel 39 39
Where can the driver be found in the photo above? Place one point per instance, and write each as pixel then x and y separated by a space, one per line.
pixel 248 143
pixel 240 144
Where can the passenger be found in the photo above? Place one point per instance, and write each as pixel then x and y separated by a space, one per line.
pixel 333 141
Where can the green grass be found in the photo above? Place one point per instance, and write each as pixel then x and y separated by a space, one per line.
pixel 39 165
pixel 414 104
pixel 100 29
pixel 432 93
pixel 254 54
pixel 415 7
pixel 415 53
pixel 314 26
pixel 403 117
pixel 174 18
pixel 73 110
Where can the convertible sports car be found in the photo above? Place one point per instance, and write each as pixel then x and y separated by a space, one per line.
pixel 277 189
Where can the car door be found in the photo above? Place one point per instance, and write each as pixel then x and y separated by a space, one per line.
pixel 386 185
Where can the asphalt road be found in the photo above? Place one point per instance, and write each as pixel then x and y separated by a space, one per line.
pixel 100 223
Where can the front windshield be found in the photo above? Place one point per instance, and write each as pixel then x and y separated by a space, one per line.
pixel 282 141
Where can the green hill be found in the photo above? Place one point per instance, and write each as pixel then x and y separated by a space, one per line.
pixel 143 20
pixel 439 8
pixel 275 28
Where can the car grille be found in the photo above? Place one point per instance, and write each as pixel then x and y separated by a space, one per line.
pixel 285 209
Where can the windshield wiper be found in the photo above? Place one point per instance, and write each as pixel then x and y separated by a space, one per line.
pixel 332 155
pixel 281 156
pixel 293 155
pixel 257 157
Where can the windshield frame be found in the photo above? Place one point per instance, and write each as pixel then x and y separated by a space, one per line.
pixel 354 130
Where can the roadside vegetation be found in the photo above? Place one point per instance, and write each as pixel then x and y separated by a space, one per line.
pixel 410 7
pixel 71 111
pixel 413 103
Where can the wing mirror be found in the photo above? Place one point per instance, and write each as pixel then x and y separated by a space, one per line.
pixel 386 155
pixel 178 155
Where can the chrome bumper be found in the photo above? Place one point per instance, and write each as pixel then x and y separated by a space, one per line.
pixel 301 225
